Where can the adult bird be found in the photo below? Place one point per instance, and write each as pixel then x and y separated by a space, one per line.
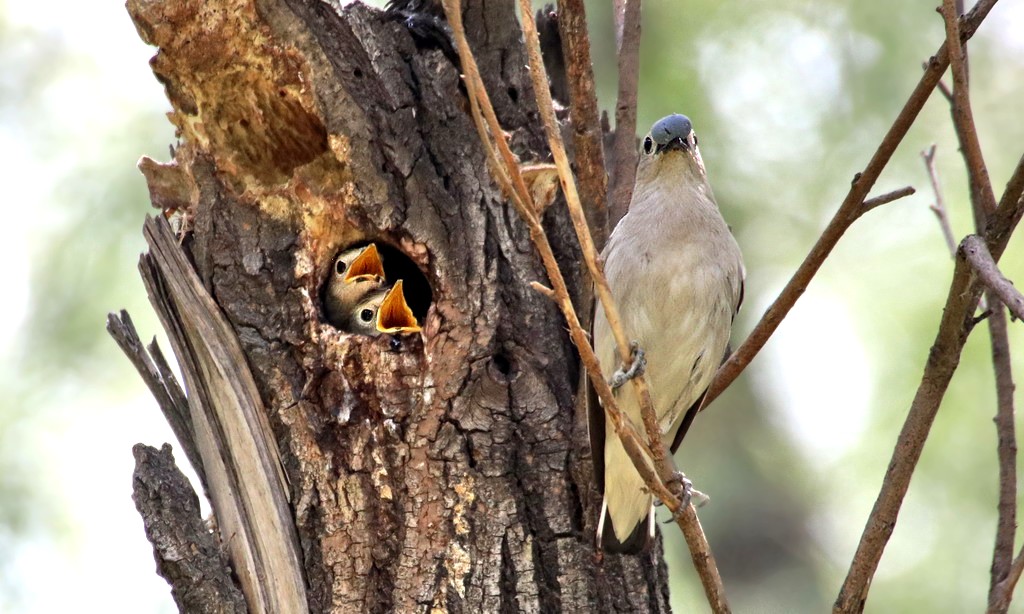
pixel 676 274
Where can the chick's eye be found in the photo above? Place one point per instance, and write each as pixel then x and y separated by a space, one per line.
pixel 339 267
pixel 648 144
pixel 366 315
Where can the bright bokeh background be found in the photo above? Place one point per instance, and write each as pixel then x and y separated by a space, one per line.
pixel 790 99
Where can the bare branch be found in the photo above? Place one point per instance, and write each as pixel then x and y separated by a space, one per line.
pixel 627 43
pixel 1004 590
pixel 974 250
pixel 963 119
pixel 939 208
pixel 847 213
pixel 586 123
pixel 546 291
pixel 1014 190
pixel 1006 449
pixel 946 92
pixel 687 520
pixel 161 382
pixel 943 358
pixel 983 205
pixel 957 322
pixel 703 560
pixel 886 198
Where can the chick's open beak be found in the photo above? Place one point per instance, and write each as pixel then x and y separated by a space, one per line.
pixel 394 315
pixel 367 266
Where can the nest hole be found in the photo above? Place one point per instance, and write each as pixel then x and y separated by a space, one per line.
pixel 352 313
pixel 417 289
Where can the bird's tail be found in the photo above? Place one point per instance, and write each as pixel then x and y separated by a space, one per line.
pixel 637 541
pixel 627 515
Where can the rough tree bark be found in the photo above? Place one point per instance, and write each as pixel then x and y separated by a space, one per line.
pixel 443 473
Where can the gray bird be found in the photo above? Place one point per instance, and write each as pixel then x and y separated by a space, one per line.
pixel 676 274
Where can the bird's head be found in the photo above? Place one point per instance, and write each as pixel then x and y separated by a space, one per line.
pixel 671 144
pixel 359 264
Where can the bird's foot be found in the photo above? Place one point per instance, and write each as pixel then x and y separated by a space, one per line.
pixel 680 486
pixel 636 367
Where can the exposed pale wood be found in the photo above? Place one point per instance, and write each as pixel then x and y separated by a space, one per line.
pixel 239 454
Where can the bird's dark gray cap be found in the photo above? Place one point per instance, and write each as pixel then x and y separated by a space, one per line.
pixel 671 127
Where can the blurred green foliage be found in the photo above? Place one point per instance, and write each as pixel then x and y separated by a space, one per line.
pixel 790 98
pixel 70 137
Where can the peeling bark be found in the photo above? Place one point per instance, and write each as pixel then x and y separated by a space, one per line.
pixel 440 472
pixel 187 553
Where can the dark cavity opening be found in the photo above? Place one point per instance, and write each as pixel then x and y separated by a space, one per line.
pixel 397 265
pixel 415 286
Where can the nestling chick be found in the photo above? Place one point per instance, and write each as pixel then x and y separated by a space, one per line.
pixel 383 310
pixel 394 315
pixel 358 273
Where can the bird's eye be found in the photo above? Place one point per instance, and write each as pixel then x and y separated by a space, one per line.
pixel 339 267
pixel 648 144
pixel 366 315
pixel 695 140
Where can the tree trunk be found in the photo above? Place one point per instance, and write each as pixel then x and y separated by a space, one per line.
pixel 445 471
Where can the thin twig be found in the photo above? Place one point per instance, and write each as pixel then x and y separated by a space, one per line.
pixel 848 212
pixel 963 119
pixel 886 198
pixel 973 248
pixel 546 291
pixel 941 86
pixel 943 358
pixel 512 185
pixel 956 324
pixel 946 92
pixel 939 208
pixel 1006 449
pixel 588 145
pixel 983 204
pixel 590 254
pixel 703 560
pixel 1004 590
pixel 627 44
pixel 700 551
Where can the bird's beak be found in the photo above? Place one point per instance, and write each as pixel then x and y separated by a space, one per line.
pixel 366 267
pixel 676 144
pixel 394 315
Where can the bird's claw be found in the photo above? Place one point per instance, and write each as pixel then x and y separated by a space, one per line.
pixel 680 486
pixel 636 367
